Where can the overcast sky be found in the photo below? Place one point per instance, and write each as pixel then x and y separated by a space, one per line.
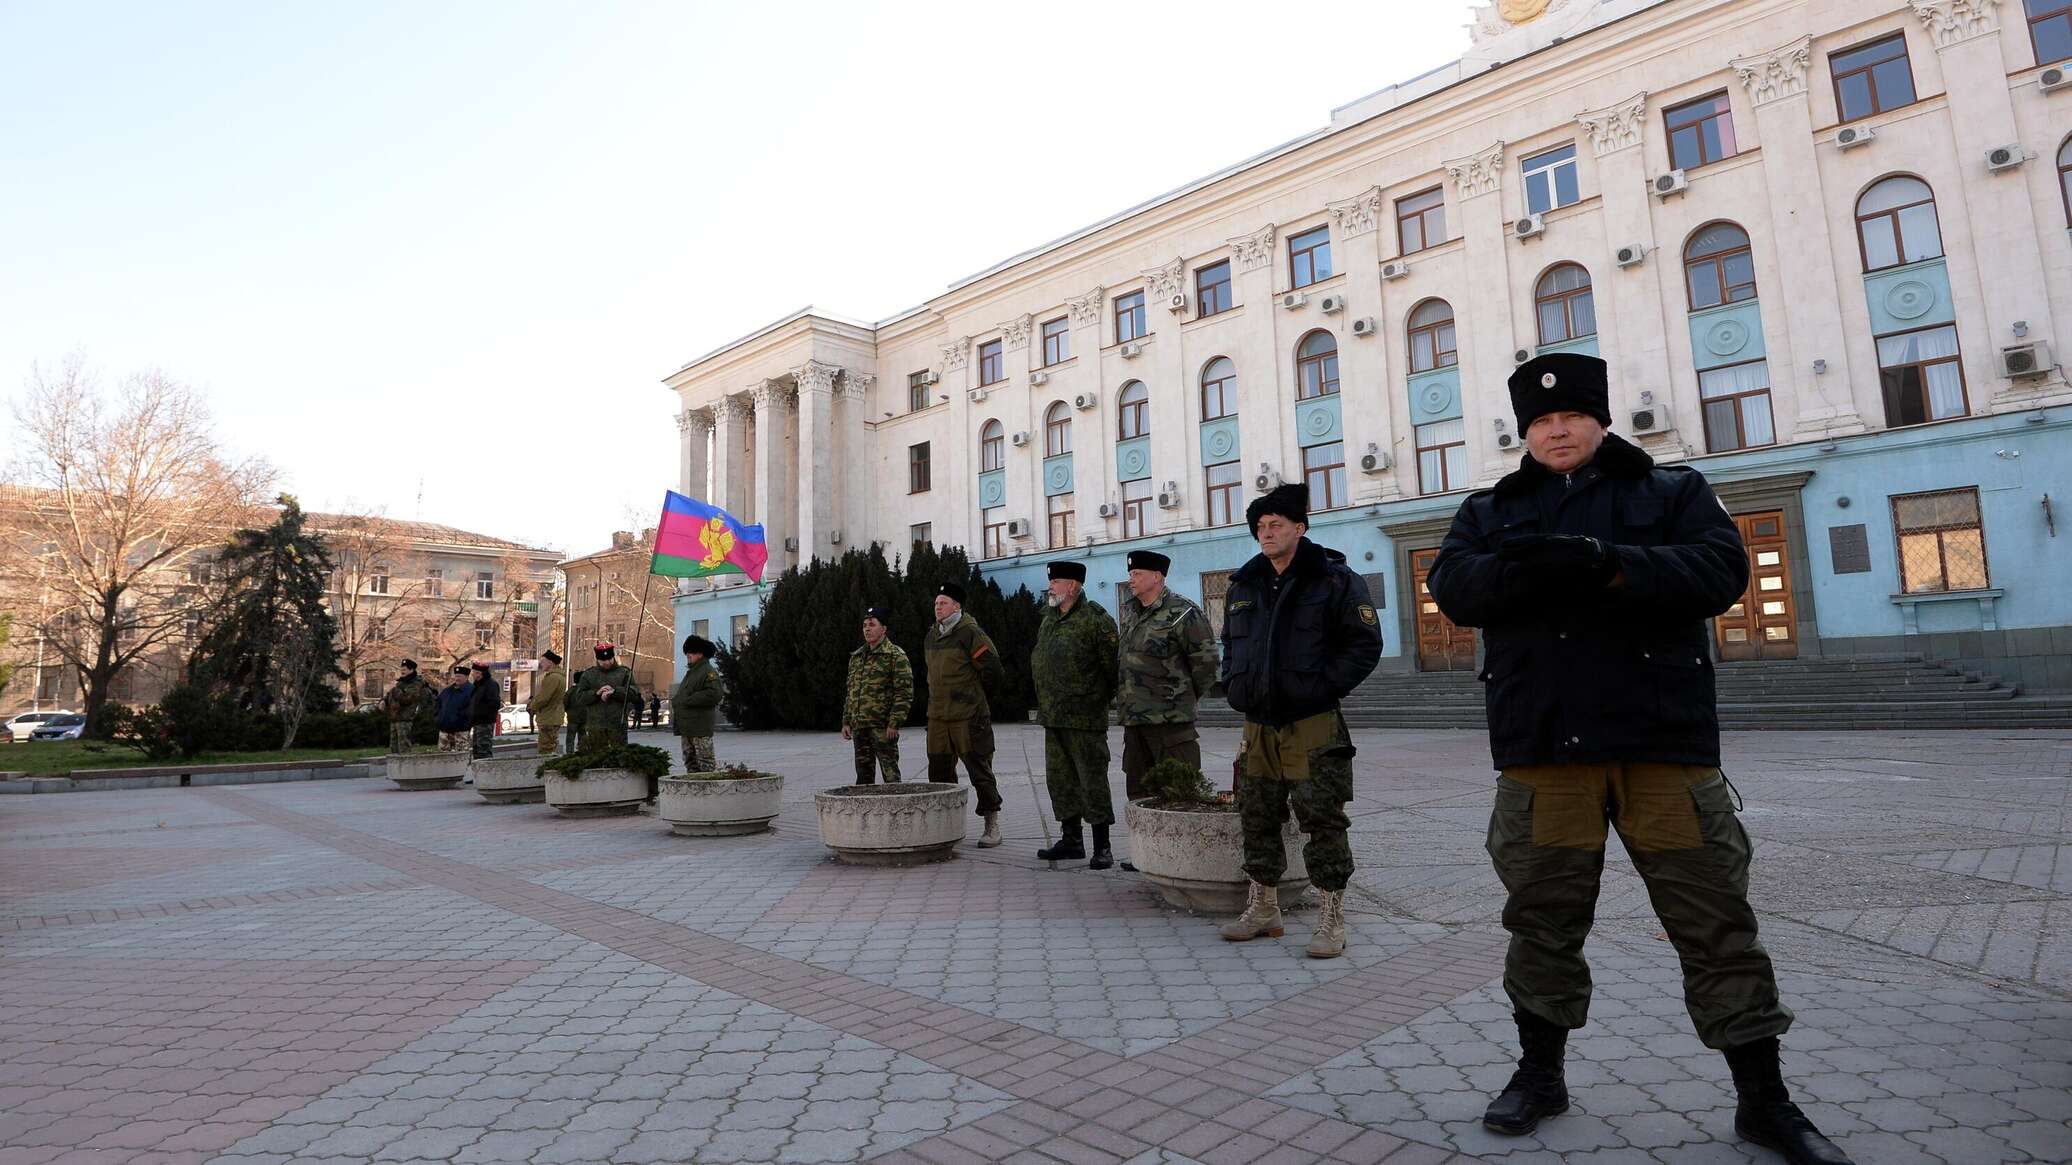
pixel 433 259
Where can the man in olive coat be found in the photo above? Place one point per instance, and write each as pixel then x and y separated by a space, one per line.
pixel 1593 574
pixel 1073 665
pixel 694 706
pixel 878 698
pixel 405 698
pixel 962 663
pixel 603 698
pixel 548 702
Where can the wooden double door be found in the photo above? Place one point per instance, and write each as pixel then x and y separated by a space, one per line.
pixel 1442 644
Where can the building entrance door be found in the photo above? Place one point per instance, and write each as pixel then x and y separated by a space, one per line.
pixel 1764 623
pixel 1442 645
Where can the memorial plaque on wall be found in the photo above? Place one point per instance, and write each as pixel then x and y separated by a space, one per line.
pixel 1377 590
pixel 1850 547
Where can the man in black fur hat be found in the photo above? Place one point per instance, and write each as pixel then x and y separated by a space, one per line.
pixel 1593 573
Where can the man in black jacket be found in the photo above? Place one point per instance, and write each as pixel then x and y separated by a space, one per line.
pixel 1299 632
pixel 1592 573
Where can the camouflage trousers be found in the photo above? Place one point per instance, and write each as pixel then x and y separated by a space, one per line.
pixel 550 734
pixel 1144 745
pixel 399 736
pixel 970 741
pixel 1678 824
pixel 1306 767
pixel 482 741
pixel 698 755
pixel 605 734
pixel 1075 767
pixel 453 741
pixel 874 754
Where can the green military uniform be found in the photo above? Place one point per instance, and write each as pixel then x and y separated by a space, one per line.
pixel 881 692
pixel 574 728
pixel 694 713
pixel 549 707
pixel 1074 669
pixel 402 702
pixel 604 718
pixel 1305 768
pixel 962 663
pixel 1169 663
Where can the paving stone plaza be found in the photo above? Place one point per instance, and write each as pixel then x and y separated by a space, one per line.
pixel 342 972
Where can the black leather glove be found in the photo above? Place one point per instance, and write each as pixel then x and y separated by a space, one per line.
pixel 1566 561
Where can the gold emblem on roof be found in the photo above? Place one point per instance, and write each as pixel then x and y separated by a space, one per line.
pixel 1521 11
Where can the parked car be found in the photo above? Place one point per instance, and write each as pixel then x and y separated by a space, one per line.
pixel 367 706
pixel 68 726
pixel 21 726
pixel 513 718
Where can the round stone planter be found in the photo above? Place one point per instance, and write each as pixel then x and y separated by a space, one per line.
pixel 507 780
pixel 597 793
pixel 720 806
pixel 1196 858
pixel 906 824
pixel 418 771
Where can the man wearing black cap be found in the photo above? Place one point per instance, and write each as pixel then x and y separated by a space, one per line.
pixel 1593 573
pixel 1299 633
pixel 962 664
pixel 547 704
pixel 1169 664
pixel 694 705
pixel 604 695
pixel 1073 665
pixel 402 702
pixel 880 693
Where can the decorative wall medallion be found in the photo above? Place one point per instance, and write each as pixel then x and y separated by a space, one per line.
pixel 1482 173
pixel 1435 398
pixel 1357 216
pixel 1778 74
pixel 992 490
pixel 1087 308
pixel 1618 127
pixel 1162 282
pixel 1058 474
pixel 1318 422
pixel 1952 22
pixel 1016 332
pixel 1726 337
pixel 1254 250
pixel 1220 444
pixel 955 353
pixel 1132 462
pixel 1909 299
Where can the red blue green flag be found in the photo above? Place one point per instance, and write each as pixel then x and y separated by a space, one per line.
pixel 695 540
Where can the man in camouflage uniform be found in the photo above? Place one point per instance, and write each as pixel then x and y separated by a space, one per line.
pixel 962 663
pixel 402 702
pixel 1074 669
pixel 1299 633
pixel 694 705
pixel 1169 664
pixel 603 698
pixel 881 691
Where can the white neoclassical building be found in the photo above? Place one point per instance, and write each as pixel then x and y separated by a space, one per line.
pixel 1826 249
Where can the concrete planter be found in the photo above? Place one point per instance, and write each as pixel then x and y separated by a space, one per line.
pixel 1196 857
pixel 720 807
pixel 417 771
pixel 906 824
pixel 508 780
pixel 597 793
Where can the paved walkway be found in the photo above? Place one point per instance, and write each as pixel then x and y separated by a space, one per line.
pixel 341 972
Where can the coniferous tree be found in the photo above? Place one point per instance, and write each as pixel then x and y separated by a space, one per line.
pixel 275 611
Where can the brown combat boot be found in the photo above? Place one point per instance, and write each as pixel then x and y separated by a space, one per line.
pixel 1328 940
pixel 1262 916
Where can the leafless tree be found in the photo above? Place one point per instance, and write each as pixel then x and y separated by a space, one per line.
pixel 297 666
pixel 379 585
pixel 117 496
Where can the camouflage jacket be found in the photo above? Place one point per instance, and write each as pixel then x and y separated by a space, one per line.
pixel 1168 660
pixel 408 694
pixel 881 687
pixel 961 666
pixel 592 708
pixel 1074 666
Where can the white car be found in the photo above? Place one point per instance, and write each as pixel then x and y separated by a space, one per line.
pixel 513 718
pixel 21 726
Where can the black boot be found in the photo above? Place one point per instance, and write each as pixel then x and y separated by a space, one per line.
pixel 1103 856
pixel 1070 845
pixel 1766 1114
pixel 1538 1088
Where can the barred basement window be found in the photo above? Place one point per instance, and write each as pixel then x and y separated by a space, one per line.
pixel 1942 541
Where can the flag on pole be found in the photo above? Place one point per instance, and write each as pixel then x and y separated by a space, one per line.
pixel 695 540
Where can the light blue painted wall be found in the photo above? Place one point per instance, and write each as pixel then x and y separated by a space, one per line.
pixel 1057 475
pixel 1219 441
pixel 1133 459
pixel 1730 334
pixel 1905 298
pixel 992 488
pixel 1317 421
pixel 1587 346
pixel 1435 396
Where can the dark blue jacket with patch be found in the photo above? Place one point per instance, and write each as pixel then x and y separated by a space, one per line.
pixel 1295 643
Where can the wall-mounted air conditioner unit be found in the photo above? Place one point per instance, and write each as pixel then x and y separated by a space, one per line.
pixel 1670 185
pixel 2001 158
pixel 1293 300
pixel 2023 361
pixel 1177 301
pixel 1853 136
pixel 1331 304
pixel 1018 528
pixel 1085 401
pixel 1631 255
pixel 1020 439
pixel 1364 326
pixel 1110 509
pixel 1532 226
pixel 1039 379
pixel 1375 461
pixel 1395 269
pixel 1266 479
pixel 1132 350
pixel 1169 496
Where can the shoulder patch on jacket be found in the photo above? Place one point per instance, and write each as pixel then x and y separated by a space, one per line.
pixel 1240 605
pixel 1367 614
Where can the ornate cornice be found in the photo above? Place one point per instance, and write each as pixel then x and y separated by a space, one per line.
pixel 1777 74
pixel 1952 22
pixel 813 376
pixel 855 385
pixel 1087 308
pixel 697 421
pixel 1478 174
pixel 1161 282
pixel 955 353
pixel 1254 250
pixel 733 409
pixel 771 397
pixel 1016 332
pixel 1357 215
pixel 1617 127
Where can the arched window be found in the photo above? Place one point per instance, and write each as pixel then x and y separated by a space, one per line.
pixel 1316 366
pixel 1564 304
pixel 1896 224
pixel 1718 266
pixel 992 447
pixel 2065 177
pixel 1431 336
pixel 1218 389
pixel 1057 429
pixel 1134 405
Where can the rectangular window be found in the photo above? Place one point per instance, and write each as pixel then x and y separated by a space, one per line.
pixel 1921 376
pixel 1550 180
pixel 1421 220
pixel 917 391
pixel 1309 256
pixel 1224 481
pixel 1872 78
pixel 921 534
pixel 378 580
pixel 2050 29
pixel 993 523
pixel 701 627
pixel 1064 521
pixel 1737 406
pixel 435 584
pixel 485 636
pixel 740 629
pixel 1442 456
pixel 917 468
pixel 377 630
pixel 1700 131
pixel 991 368
pixel 1212 289
pixel 1057 341
pixel 1323 469
pixel 1942 542
pixel 1136 500
pixel 428 633
pixel 485 584
pixel 1129 317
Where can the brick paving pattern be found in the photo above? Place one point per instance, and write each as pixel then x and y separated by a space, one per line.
pixel 340 972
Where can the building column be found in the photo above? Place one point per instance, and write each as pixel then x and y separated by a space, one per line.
pixel 1487 336
pixel 1638 340
pixel 1259 361
pixel 695 460
pixel 852 410
pixel 729 455
pixel 772 501
pixel 816 498
pixel 1823 401
pixel 1364 417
